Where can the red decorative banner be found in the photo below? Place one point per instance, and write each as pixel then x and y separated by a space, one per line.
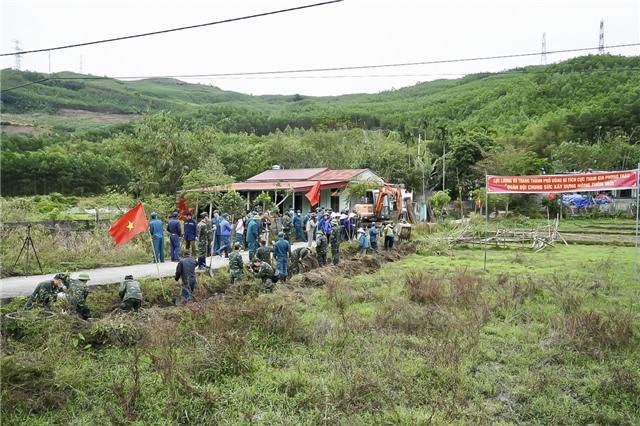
pixel 562 183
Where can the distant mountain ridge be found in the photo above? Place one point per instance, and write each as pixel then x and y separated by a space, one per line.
pixel 584 94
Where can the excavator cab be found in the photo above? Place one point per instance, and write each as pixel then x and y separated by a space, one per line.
pixel 378 204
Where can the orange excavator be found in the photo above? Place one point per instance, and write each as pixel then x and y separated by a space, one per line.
pixel 378 207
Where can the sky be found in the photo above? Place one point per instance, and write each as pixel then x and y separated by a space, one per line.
pixel 351 33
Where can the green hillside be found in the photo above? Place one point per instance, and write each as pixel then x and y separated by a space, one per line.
pixel 580 114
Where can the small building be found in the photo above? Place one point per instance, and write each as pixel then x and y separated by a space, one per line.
pixel 301 181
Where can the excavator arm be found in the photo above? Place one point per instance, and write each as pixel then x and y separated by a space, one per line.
pixel 390 190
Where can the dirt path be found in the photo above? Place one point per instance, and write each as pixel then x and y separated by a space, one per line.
pixel 23 286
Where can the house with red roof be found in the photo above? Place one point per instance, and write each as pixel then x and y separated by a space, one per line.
pixel 278 182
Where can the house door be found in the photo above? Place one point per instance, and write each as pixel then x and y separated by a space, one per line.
pixel 335 201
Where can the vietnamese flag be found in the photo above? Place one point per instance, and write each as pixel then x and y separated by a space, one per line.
pixel 129 225
pixel 479 202
pixel 314 194
pixel 182 208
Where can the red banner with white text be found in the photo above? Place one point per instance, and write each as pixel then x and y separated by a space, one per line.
pixel 562 183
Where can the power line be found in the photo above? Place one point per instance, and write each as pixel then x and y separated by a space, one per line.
pixel 272 74
pixel 406 64
pixel 190 27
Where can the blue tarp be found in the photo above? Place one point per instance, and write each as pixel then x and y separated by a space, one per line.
pixel 580 201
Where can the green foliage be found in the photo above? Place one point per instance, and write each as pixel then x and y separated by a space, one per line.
pixel 439 200
pixel 198 183
pixel 420 341
pixel 233 203
pixel 161 153
pixel 264 203
pixel 581 114
pixel 359 188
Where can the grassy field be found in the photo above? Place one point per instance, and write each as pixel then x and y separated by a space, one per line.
pixel 424 336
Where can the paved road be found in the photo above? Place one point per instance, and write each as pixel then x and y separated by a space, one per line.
pixel 24 286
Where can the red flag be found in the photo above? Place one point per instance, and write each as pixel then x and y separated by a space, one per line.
pixel 129 225
pixel 479 202
pixel 182 208
pixel 314 194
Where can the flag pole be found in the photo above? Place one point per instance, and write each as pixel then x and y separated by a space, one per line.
pixel 635 273
pixel 155 258
pixel 486 220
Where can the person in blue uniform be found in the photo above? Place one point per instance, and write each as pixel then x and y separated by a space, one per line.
pixel 215 230
pixel 224 230
pixel 156 229
pixel 253 235
pixel 281 250
pixel 189 236
pixel 175 232
pixel 297 224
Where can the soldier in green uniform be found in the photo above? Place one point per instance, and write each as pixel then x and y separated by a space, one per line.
pixel 204 237
pixel 297 255
pixel 78 293
pixel 264 253
pixel 263 270
pixel 235 264
pixel 321 249
pixel 334 240
pixel 131 294
pixel 46 292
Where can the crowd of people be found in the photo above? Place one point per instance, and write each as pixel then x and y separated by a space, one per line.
pixel 322 229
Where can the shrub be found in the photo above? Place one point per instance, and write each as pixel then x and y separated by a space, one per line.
pixel 425 289
pixel 591 330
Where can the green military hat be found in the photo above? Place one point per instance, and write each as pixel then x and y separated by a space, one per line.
pixel 256 217
pixel 61 276
pixel 83 276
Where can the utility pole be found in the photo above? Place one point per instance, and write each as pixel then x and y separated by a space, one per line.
pixel 444 155
pixel 543 58
pixel 601 43
pixel 17 55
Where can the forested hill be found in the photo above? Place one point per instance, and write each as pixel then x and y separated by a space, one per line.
pixel 579 114
pixel 587 93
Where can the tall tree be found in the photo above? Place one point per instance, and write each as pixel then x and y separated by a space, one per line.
pixel 161 153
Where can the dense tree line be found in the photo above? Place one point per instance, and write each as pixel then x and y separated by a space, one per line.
pixel 579 115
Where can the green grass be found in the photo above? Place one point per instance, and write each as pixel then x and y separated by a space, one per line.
pixel 540 338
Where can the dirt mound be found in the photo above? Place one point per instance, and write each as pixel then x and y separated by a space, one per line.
pixel 353 264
